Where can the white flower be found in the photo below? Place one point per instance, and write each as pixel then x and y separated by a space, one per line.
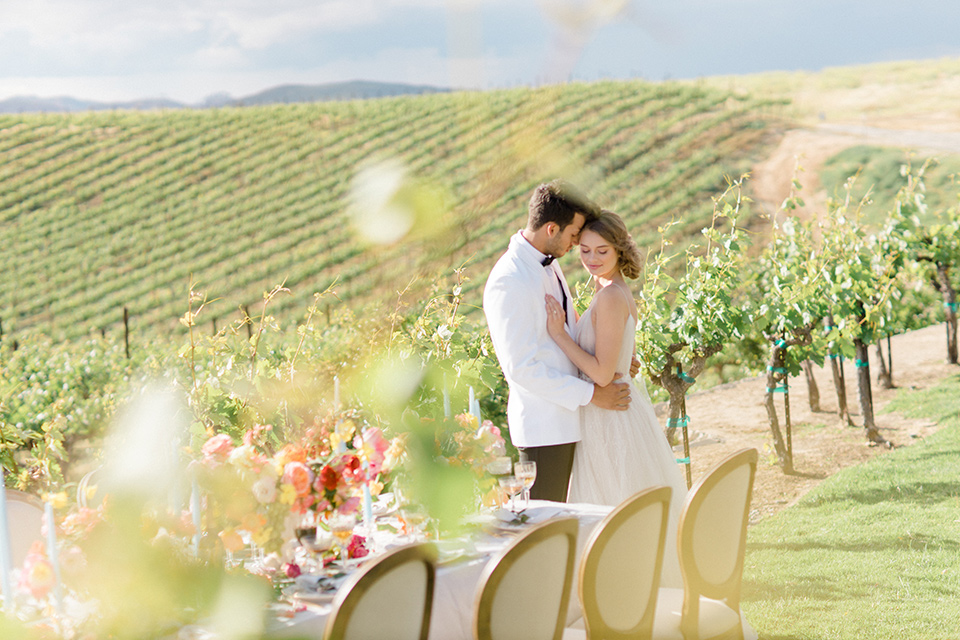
pixel 265 490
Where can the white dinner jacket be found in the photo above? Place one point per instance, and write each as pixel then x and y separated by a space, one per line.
pixel 545 391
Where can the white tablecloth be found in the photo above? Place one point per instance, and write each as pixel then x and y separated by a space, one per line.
pixel 456 583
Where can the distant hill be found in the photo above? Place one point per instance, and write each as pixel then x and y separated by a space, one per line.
pixel 357 89
pixel 283 94
pixel 65 104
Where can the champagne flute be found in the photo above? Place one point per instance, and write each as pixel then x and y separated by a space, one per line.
pixel 341 525
pixel 526 472
pixel 512 486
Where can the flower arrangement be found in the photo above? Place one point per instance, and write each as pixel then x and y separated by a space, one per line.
pixel 259 497
pixel 472 445
pixel 479 447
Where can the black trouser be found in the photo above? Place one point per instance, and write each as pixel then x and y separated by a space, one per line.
pixel 554 464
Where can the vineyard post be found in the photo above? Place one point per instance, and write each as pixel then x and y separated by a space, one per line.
pixel 213 321
pixel 685 423
pixel 778 377
pixel 884 375
pixel 126 331
pixel 950 304
pixel 890 358
pixel 941 282
pixel 839 383
pixel 248 321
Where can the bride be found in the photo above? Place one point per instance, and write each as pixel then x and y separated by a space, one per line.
pixel 621 452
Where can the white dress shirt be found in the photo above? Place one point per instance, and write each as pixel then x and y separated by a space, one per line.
pixel 545 391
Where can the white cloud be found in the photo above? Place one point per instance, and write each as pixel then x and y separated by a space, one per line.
pixel 413 66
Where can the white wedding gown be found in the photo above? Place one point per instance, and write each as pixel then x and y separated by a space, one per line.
pixel 623 452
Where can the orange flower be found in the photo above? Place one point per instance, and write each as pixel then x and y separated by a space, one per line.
pixel 298 475
pixel 231 540
pixel 253 522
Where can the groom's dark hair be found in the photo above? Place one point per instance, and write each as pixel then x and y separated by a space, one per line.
pixel 558 201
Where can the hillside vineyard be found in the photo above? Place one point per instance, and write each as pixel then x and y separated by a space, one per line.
pixel 106 210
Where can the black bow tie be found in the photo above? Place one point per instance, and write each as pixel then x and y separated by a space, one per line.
pixel 546 261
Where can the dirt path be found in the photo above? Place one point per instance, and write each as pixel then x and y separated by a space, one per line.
pixel 810 148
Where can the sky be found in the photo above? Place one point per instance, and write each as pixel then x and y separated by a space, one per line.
pixel 186 50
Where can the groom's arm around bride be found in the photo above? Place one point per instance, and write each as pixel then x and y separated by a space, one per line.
pixel 545 391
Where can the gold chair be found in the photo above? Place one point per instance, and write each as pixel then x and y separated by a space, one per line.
pixel 524 591
pixel 25 519
pixel 620 569
pixel 712 541
pixel 391 597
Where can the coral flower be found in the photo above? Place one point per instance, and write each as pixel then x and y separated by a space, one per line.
pixel 218 448
pixel 37 576
pixel 231 540
pixel 299 476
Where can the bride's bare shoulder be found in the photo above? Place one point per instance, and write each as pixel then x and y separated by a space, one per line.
pixel 611 299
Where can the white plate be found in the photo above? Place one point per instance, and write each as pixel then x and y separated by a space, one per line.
pixel 314 597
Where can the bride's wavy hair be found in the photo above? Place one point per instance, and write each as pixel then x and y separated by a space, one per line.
pixel 611 228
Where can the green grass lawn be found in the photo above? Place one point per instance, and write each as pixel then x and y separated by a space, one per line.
pixel 872 552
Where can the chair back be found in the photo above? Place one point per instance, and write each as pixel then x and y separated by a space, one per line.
pixel 524 590
pixel 87 489
pixel 391 597
pixel 620 567
pixel 24 519
pixel 713 535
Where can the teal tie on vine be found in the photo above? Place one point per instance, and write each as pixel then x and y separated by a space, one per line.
pixel 781 343
pixel 952 306
pixel 686 378
pixel 862 364
pixel 674 423
pixel 779 388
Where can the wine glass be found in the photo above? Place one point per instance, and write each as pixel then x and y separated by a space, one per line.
pixel 312 540
pixel 526 472
pixel 414 515
pixel 512 486
pixel 341 526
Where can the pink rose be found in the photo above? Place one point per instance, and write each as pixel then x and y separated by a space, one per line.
pixel 299 476
pixel 218 448
pixel 37 576
pixel 350 505
pixel 357 548
pixel 291 570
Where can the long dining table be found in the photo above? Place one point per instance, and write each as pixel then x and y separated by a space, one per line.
pixel 462 561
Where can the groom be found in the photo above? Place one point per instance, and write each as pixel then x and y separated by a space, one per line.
pixel 545 392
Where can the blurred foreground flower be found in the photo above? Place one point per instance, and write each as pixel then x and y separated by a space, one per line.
pixel 388 205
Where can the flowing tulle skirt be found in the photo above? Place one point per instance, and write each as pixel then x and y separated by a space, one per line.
pixel 623 452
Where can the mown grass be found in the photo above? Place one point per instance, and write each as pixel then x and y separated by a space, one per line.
pixel 872 552
pixel 879 173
